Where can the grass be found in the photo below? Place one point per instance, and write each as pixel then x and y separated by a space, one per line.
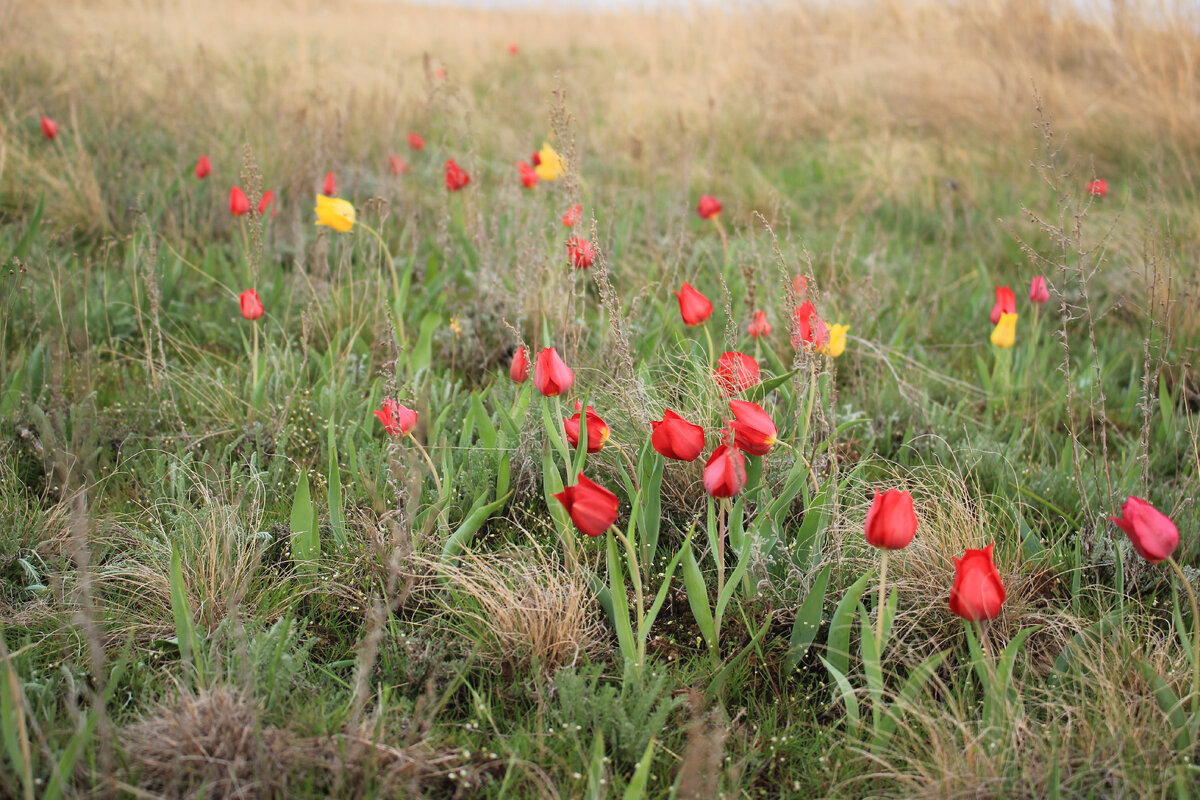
pixel 219 576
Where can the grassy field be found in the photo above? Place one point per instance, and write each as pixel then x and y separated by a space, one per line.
pixel 221 576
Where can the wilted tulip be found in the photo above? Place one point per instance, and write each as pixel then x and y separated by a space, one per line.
pixel 238 202
pixel 725 472
pixel 203 168
pixel 736 372
pixel 252 309
pixel 1006 303
pixel 49 128
pixel 572 215
pixel 1151 532
pixel 397 165
pixel 694 307
pixel 519 371
pixel 416 142
pixel 1038 291
pixel 551 376
pixel 675 437
pixel 580 252
pixel 456 176
pixel 597 429
pixel 1098 188
pixel 397 420
pixel 529 178
pixel 709 207
pixel 810 331
pixel 753 429
pixel 329 187
pixel 978 592
pixel 593 508
pixel 759 326
pixel 892 520
pixel 549 164
pixel 1005 332
pixel 333 212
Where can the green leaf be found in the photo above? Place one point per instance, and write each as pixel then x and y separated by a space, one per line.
pixel 917 679
pixel 467 529
pixel 718 683
pixel 636 790
pixel 1169 703
pixel 333 494
pixel 596 784
pixel 185 628
pixel 31 232
pixel 620 603
pixel 758 392
pixel 306 542
pixel 837 647
pixel 483 422
pixel 808 620
pixel 849 699
pixel 697 595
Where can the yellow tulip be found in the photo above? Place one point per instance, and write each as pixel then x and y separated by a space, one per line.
pixel 333 212
pixel 551 167
pixel 837 341
pixel 1005 334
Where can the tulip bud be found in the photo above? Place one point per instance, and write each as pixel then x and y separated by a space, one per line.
pixel 709 207
pixel 593 508
pixel 519 371
pixel 675 437
pixel 760 326
pixel 551 376
pixel 1152 532
pixel 978 592
pixel 252 308
pixel 754 430
pixel 49 128
pixel 694 307
pixel 1006 303
pixel 329 187
pixel 203 168
pixel 892 520
pixel 239 204
pixel 397 420
pixel 1038 292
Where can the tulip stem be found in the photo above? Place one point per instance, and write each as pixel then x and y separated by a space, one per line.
pixel 1031 370
pixel 432 469
pixel 254 369
pixel 1191 593
pixel 883 565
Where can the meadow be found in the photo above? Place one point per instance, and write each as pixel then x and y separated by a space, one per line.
pixel 414 402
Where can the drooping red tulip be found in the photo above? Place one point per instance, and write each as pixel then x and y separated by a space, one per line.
pixel 694 307
pixel 736 372
pixel 203 168
pixel 416 142
pixel 811 332
pixel 579 250
pixel 252 308
pixel 519 371
pixel 1038 291
pixel 1006 303
pixel 709 206
pixel 551 375
pixel 329 187
pixel 978 593
pixel 593 508
pixel 1098 188
pixel 49 128
pixel 597 429
pixel 725 472
pixel 267 199
pixel 397 165
pixel 572 215
pixel 675 437
pixel 759 326
pixel 1151 532
pixel 892 520
pixel 238 202
pixel 456 177
pixel 397 420
pixel 529 177
pixel 753 429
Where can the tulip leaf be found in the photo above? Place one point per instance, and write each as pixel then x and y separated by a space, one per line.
pixel 663 589
pixel 31 232
pixel 620 602
pixel 1082 641
pixel 808 619
pixel 718 683
pixel 333 494
pixel 483 422
pixel 466 530
pixel 697 595
pixel 650 470
pixel 596 782
pixel 734 579
pixel 759 391
pixel 872 668
pixel 917 679
pixel 837 647
pixel 185 628
pixel 306 543
pixel 1169 703
pixel 849 699
pixel 636 789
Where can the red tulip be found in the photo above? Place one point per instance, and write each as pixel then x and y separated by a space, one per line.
pixel 725 472
pixel 675 437
pixel 800 286
pixel 572 215
pixel 238 202
pixel 892 520
pixel 203 168
pixel 978 592
pixel 709 206
pixel 760 326
pixel 593 508
pixel 440 72
pixel 529 178
pixel 1038 293
pixel 514 48
pixel 536 158
pixel 252 308
pixel 580 252
pixel 551 376
pixel 694 307
pixel 736 372
pixel 329 187
pixel 1006 303
pixel 49 128
pixel 267 199
pixel 753 429
pixel 810 332
pixel 1098 188
pixel 1152 532
pixel 397 165
pixel 416 142
pixel 519 371
pixel 397 420
pixel 456 176
pixel 597 429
